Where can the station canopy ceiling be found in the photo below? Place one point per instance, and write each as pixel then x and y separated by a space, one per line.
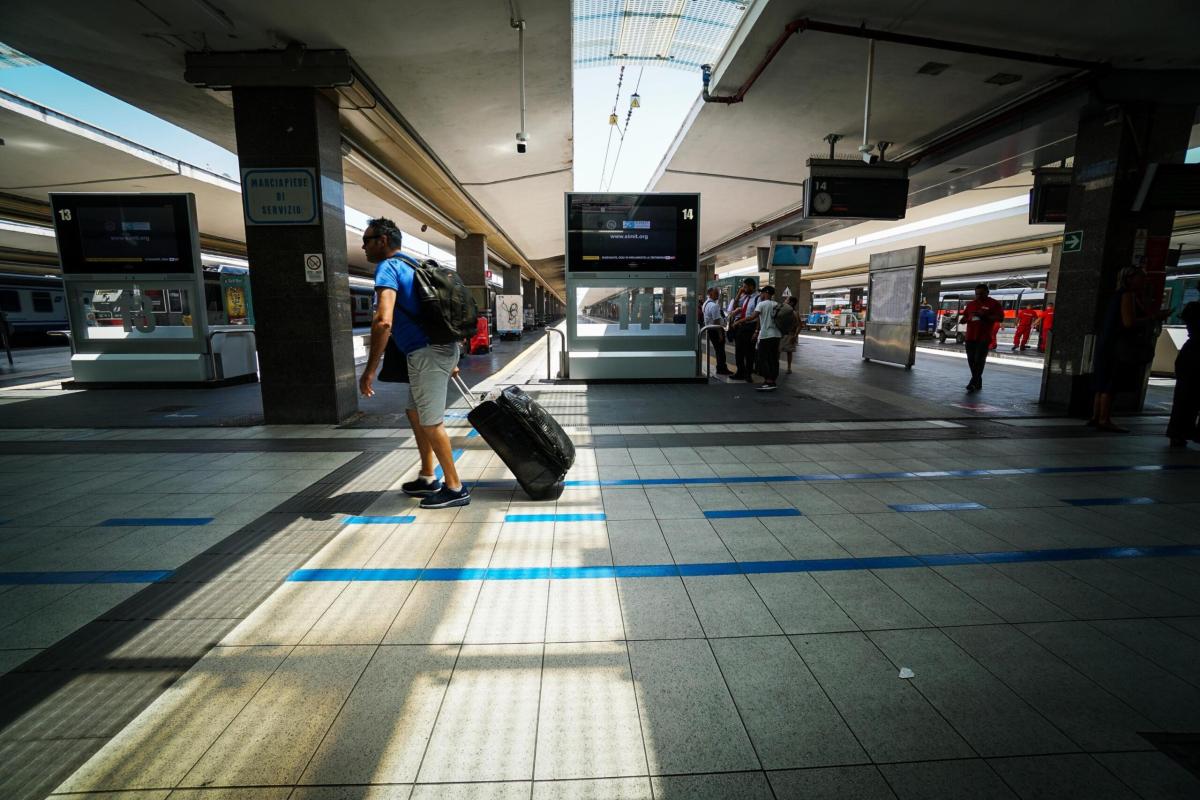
pixel 48 151
pixel 450 69
pixel 675 34
pixel 748 160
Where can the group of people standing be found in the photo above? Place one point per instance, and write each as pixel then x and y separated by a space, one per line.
pixel 761 329
pixel 1124 348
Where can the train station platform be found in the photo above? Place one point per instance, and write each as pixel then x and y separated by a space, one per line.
pixel 867 584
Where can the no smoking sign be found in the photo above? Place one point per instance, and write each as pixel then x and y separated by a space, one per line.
pixel 314 267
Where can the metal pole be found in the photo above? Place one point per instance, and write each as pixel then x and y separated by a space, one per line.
pixel 521 47
pixel 866 145
pixel 4 335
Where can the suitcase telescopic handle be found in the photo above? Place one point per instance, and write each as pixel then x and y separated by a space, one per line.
pixel 463 389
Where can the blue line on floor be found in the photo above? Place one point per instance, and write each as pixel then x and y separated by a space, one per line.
pixel 554 517
pixel 858 476
pixel 145 521
pixel 917 507
pixel 83 576
pixel 472 434
pixel 380 520
pixel 454 455
pixel 744 567
pixel 737 513
pixel 1110 501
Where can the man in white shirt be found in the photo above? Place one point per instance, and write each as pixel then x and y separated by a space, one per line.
pixel 741 309
pixel 768 338
pixel 716 336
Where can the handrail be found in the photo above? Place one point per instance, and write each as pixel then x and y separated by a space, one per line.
pixel 707 349
pixel 212 354
pixel 549 331
pixel 67 335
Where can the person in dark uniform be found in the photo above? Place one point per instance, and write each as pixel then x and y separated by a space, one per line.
pixel 741 308
pixel 1185 406
pixel 1127 319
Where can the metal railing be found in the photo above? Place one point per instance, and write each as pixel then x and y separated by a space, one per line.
pixel 66 335
pixel 212 354
pixel 707 349
pixel 549 330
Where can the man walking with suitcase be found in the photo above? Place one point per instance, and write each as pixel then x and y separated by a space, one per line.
pixel 430 365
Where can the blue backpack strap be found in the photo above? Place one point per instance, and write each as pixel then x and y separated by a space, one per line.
pixel 411 262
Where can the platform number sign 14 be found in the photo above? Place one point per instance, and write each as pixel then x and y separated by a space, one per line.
pixel 689 213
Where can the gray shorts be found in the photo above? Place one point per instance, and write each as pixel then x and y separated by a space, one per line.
pixel 429 376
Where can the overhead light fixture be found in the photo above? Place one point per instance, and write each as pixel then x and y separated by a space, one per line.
pixel 1003 78
pixel 634 102
pixel 933 68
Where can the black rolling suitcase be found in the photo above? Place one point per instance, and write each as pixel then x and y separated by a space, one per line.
pixel 526 437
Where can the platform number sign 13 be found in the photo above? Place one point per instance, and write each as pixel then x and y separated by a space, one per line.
pixel 65 214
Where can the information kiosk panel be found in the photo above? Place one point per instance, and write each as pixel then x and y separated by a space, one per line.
pixel 136 295
pixel 632 233
pixel 125 234
pixel 632 272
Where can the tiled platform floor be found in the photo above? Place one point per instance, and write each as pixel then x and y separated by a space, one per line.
pixel 633 644
pixel 1030 679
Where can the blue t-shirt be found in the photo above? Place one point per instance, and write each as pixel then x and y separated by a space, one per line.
pixel 397 273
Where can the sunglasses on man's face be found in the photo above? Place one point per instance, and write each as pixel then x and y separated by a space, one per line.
pixel 369 238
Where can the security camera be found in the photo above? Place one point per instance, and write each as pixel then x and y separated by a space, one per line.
pixel 522 140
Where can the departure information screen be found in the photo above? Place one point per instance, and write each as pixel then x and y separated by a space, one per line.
pixel 124 234
pixel 129 235
pixel 632 233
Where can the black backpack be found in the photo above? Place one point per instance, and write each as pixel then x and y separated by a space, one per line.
pixel 447 312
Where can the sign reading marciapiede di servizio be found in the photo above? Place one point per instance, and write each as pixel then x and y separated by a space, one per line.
pixel 280 196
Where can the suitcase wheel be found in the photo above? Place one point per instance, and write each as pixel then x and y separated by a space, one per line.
pixel 551 492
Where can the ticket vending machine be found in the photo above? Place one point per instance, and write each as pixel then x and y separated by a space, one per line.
pixel 135 294
pixel 632 269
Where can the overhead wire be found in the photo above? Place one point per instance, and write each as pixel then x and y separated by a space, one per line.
pixel 613 113
pixel 621 145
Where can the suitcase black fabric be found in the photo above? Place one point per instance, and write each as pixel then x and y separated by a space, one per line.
pixel 528 439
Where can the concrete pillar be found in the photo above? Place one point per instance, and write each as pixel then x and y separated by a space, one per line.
pixel 470 253
pixel 302 328
pixel 527 293
pixel 1113 146
pixel 539 304
pixel 800 287
pixel 512 280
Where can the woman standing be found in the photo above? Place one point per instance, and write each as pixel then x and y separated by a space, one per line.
pixel 1186 405
pixel 788 321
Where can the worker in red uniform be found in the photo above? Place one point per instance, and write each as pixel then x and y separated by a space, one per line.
pixel 1044 328
pixel 1025 319
pixel 983 315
